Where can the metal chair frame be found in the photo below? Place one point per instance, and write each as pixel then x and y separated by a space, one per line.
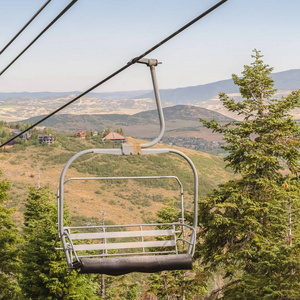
pixel 167 256
pixel 65 231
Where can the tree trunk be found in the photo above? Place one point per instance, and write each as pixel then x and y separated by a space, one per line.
pixel 290 240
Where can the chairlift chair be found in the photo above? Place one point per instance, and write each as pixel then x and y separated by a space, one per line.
pixel 121 249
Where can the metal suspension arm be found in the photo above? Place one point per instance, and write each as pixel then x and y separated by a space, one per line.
pixel 129 149
pixel 152 63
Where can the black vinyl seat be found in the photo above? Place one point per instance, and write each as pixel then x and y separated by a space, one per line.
pixel 143 264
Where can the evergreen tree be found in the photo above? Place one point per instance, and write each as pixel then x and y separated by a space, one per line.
pixel 105 132
pixel 176 284
pixel 44 269
pixel 9 237
pixel 121 287
pixel 119 130
pixel 248 223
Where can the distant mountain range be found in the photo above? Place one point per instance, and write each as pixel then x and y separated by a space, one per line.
pixel 286 80
pixel 54 95
pixel 18 106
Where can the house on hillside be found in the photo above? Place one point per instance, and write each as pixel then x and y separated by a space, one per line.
pixel 115 137
pixel 39 128
pixel 46 139
pixel 24 136
pixel 10 144
pixel 81 134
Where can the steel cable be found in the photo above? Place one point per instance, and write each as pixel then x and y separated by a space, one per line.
pixel 39 35
pixel 130 63
pixel 24 27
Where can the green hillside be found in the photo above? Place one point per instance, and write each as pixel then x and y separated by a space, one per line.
pixel 177 118
pixel 122 200
pixel 183 128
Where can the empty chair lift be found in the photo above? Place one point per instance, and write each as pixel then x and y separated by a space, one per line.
pixel 121 249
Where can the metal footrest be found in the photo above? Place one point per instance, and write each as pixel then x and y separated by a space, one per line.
pixel 142 264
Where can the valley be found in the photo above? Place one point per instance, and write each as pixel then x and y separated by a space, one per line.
pixel 20 106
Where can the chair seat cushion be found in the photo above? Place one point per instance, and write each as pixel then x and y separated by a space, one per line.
pixel 143 264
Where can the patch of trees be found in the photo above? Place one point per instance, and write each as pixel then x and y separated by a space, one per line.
pixel 199 144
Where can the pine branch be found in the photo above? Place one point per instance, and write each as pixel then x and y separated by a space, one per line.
pixel 215 292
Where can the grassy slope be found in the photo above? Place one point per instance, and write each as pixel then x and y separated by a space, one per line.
pixel 180 120
pixel 123 201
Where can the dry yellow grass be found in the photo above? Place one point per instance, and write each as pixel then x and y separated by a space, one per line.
pixel 29 169
pixel 33 165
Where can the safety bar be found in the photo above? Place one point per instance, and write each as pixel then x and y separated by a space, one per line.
pixel 134 177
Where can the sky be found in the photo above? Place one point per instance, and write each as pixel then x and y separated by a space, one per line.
pixel 97 37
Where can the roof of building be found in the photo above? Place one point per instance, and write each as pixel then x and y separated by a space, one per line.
pixel 13 142
pixel 114 136
pixel 39 127
pixel 25 135
pixel 45 135
pixel 16 131
pixel 81 133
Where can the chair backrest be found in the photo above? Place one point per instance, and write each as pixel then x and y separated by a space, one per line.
pixel 137 241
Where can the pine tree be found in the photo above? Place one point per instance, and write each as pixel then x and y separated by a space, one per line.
pixel 44 270
pixel 248 224
pixel 119 130
pixel 121 287
pixel 9 237
pixel 176 284
pixel 105 132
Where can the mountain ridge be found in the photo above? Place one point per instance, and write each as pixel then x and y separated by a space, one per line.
pixel 180 120
pixel 284 80
pixel 177 112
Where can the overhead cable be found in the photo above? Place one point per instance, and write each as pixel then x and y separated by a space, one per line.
pixel 130 63
pixel 40 34
pixel 24 27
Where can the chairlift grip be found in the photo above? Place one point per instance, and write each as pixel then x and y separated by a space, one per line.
pixel 149 62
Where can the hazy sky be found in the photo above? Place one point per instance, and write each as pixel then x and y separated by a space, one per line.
pixel 96 37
